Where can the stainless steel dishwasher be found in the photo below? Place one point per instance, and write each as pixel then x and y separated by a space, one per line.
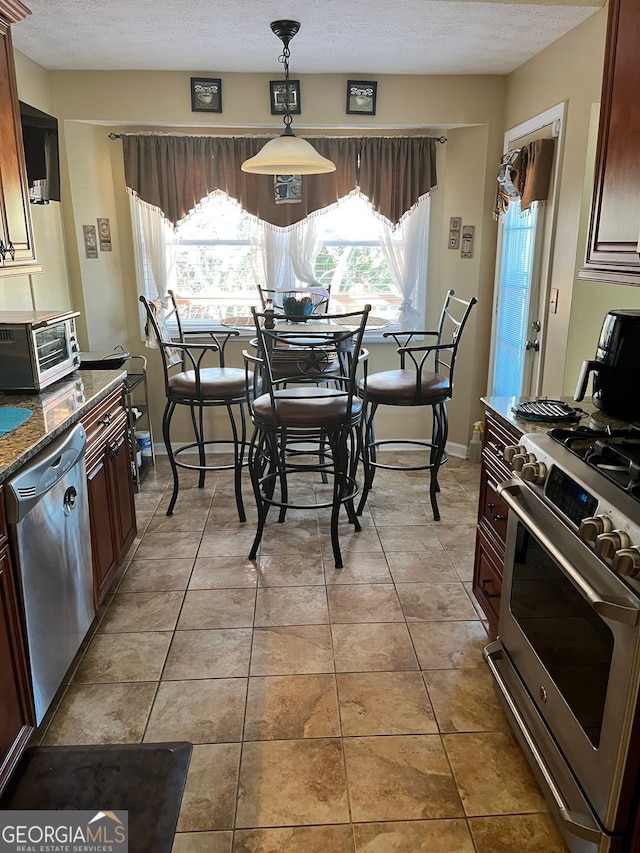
pixel 48 514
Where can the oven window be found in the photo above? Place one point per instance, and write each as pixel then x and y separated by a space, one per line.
pixel 51 345
pixel 573 643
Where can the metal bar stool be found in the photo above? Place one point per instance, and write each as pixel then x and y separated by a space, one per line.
pixel 416 385
pixel 189 380
pixel 305 426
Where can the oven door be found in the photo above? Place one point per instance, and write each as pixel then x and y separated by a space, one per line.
pixel 570 626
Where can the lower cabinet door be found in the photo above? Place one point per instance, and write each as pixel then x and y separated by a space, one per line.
pixel 122 495
pixel 111 513
pixel 16 714
pixel 102 522
pixel 487 579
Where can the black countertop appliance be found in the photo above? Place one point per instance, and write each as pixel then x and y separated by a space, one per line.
pixel 616 367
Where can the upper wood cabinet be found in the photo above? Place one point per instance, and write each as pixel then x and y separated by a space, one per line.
pixel 17 252
pixel 614 231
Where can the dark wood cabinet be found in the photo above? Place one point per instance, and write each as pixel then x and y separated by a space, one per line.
pixel 17 251
pixel 16 710
pixel 614 229
pixel 110 482
pixel 492 519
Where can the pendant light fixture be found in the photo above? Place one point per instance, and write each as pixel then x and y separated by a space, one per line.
pixel 287 154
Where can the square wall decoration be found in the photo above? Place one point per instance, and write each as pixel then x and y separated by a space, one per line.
pixel 206 95
pixel 361 97
pixel 278 92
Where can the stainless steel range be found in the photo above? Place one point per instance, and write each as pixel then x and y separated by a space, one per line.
pixel 567 660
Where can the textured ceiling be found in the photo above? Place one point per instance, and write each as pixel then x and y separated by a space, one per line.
pixel 339 36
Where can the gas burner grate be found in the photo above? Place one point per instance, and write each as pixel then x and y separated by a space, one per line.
pixel 615 454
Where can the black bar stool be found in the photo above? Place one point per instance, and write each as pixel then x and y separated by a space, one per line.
pixel 190 381
pixel 301 425
pixel 415 383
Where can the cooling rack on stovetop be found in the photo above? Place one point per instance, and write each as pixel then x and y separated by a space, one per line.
pixel 553 411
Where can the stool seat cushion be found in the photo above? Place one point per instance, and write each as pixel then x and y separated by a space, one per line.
pixel 307 407
pixel 398 388
pixel 216 383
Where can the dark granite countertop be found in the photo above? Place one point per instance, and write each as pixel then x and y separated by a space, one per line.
pixel 54 410
pixel 593 417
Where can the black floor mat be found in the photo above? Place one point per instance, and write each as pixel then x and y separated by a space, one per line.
pixel 145 779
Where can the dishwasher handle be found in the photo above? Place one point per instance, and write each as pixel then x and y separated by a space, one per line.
pixel 40 474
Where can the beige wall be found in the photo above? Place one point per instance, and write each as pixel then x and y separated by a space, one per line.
pixel 474 113
pixel 89 105
pixel 50 288
pixel 570 70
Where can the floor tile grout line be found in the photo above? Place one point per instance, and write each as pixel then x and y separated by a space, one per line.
pixel 335 674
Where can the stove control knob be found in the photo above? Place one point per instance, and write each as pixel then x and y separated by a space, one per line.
pixel 511 450
pixel 534 472
pixel 627 562
pixel 591 528
pixel 521 459
pixel 608 543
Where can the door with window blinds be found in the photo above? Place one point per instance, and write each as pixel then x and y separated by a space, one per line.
pixel 521 282
pixel 515 343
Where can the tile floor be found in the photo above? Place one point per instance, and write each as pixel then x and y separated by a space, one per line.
pixel 331 711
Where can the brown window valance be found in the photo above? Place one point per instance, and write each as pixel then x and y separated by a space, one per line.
pixel 175 173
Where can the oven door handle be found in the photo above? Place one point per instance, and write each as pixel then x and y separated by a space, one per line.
pixel 577 824
pixel 604 607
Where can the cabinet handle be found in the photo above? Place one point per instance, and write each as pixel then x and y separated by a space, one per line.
pixel 12 250
pixel 495 516
pixel 486 592
pixel 3 250
pixel 106 420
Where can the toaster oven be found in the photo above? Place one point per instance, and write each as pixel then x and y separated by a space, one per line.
pixel 36 348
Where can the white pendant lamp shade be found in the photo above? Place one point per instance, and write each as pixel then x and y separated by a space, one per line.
pixel 288 155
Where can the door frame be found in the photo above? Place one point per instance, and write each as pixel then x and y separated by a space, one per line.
pixel 553 116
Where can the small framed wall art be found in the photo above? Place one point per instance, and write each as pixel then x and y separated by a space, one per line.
pixel 361 97
pixel 104 234
pixel 454 232
pixel 278 92
pixel 206 95
pixel 467 241
pixel 90 241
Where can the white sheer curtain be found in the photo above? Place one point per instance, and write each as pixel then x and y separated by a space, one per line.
pixel 305 242
pixel 273 249
pixel 155 240
pixel 406 252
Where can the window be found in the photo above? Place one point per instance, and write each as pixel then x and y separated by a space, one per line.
pixel 219 260
pixel 351 263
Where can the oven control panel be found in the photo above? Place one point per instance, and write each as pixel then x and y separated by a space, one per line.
pixel 603 517
pixel 569 497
